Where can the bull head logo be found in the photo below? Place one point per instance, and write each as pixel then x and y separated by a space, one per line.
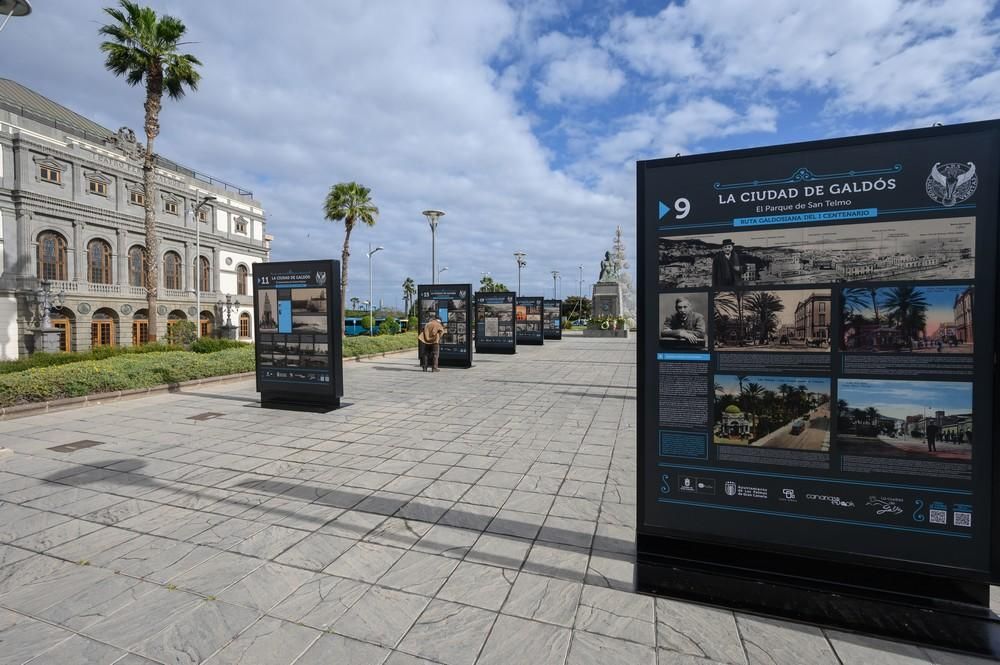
pixel 950 184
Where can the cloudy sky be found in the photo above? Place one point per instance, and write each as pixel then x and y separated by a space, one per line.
pixel 522 120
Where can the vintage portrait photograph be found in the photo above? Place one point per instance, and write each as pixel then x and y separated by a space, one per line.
pixel 683 319
pixel 779 320
pixel 912 318
pixel 904 250
pixel 772 412
pixel 913 419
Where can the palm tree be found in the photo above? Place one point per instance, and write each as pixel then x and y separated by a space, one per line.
pixel 409 290
pixel 354 302
pixel 907 307
pixel 144 47
pixel 351 203
pixel 765 306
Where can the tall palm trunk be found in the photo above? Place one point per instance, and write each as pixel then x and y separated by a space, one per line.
pixel 344 256
pixel 154 96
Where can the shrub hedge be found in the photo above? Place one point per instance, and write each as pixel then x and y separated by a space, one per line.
pixel 51 359
pixel 121 372
pixel 363 345
pixel 213 344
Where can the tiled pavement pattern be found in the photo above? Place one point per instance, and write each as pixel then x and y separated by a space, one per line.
pixel 470 516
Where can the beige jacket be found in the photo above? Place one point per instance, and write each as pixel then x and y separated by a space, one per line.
pixel 432 333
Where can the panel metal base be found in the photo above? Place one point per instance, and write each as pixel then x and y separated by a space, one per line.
pixel 496 350
pixel 289 405
pixel 957 617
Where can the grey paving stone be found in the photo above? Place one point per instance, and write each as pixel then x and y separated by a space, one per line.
pixel 482 586
pixel 554 560
pixel 197 634
pixel 10 554
pixel 270 542
pixel 854 649
pixel 143 618
pixel 228 533
pixel 611 569
pixel 697 630
pixel 424 509
pixel 316 551
pixel 499 550
pixel 79 649
pixel 23 637
pixel 420 573
pixel 353 524
pixel 381 616
pixel 447 541
pixel 95 602
pixel 320 601
pixel 33 596
pixel 338 649
pixel 486 495
pixel 567 531
pixel 516 523
pixel 515 640
pixel 529 502
pixel 265 586
pixel 267 642
pixel 365 561
pixel 449 633
pixel 617 614
pixel 575 508
pixel 217 573
pixel 544 599
pixel 400 658
pixel 398 532
pixel 592 649
pixel 783 643
pixel 951 658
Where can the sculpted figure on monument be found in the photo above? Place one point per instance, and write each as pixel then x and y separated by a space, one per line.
pixel 607 269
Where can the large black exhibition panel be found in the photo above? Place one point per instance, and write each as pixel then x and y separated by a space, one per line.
pixel 817 381
pixel 495 322
pixel 552 319
pixel 453 305
pixel 528 320
pixel 298 333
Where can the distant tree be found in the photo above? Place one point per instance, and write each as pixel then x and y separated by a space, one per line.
pixel 350 203
pixel 354 302
pixel 487 284
pixel 575 307
pixel 144 47
pixel 409 290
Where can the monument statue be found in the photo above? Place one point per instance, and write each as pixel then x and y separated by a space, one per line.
pixel 613 294
pixel 607 269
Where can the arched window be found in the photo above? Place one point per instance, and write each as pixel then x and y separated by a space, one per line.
pixel 98 262
pixel 244 325
pixel 137 266
pixel 51 256
pixel 172 271
pixel 241 280
pixel 205 274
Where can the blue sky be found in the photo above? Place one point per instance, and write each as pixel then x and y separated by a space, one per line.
pixel 522 120
pixel 731 384
pixel 940 304
pixel 898 399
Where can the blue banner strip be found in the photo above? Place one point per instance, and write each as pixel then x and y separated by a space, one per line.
pixel 858 213
pixel 698 357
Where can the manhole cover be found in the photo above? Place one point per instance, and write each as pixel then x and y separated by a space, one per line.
pixel 76 445
pixel 208 415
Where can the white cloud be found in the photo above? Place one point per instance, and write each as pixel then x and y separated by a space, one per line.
pixel 575 69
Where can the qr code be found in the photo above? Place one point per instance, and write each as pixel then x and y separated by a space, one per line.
pixel 939 517
pixel 962 519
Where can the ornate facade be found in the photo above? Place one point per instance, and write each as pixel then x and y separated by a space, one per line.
pixel 71 214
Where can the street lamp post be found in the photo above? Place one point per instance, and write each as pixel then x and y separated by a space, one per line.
pixel 13 8
pixel 197 261
pixel 432 219
pixel 519 257
pixel 371 315
pixel 227 306
pixel 555 293
pixel 441 271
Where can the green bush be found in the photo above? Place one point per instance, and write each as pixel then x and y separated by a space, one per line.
pixel 213 344
pixel 121 372
pixel 364 345
pixel 366 322
pixel 182 332
pixel 413 324
pixel 389 327
pixel 53 359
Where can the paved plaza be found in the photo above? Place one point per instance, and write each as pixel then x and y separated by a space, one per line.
pixel 481 515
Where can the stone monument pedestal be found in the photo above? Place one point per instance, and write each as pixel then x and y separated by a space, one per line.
pixel 607 299
pixel 47 340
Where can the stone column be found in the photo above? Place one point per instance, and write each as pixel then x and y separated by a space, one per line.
pixel 215 270
pixel 187 276
pixel 79 253
pixel 122 277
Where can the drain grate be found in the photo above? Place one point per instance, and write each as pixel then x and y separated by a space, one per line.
pixel 76 445
pixel 208 415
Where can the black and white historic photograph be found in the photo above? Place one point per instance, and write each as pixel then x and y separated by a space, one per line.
pixel 683 320
pixel 308 301
pixel 267 310
pixel 904 250
pixel 778 320
pixel 911 318
pixel 303 323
